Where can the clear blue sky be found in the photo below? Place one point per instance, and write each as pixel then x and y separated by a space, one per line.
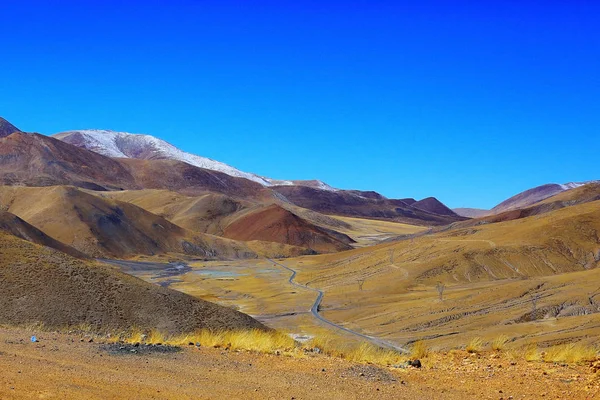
pixel 468 103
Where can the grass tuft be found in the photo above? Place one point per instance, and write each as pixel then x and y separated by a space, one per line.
pixel 250 340
pixel 475 345
pixel 419 350
pixel 499 344
pixel 361 352
pixel 370 354
pixel 531 352
pixel 155 337
pixel 570 353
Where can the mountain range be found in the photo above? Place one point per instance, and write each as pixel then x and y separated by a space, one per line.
pixel 134 194
pixel 77 196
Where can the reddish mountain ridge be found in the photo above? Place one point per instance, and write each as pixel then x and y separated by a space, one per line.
pixel 369 205
pixel 276 224
pixel 6 128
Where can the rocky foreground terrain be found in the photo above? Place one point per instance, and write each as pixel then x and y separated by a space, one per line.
pixel 60 366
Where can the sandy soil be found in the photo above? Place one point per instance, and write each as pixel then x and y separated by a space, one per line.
pixel 62 366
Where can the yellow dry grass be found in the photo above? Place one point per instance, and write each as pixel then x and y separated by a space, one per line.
pixel 570 353
pixel 419 350
pixel 499 343
pixel 250 340
pixel 475 345
pixel 531 352
pixel 355 351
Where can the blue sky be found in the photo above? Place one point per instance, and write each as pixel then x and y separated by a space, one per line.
pixel 469 103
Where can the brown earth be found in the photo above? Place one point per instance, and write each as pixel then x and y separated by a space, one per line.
pixel 42 285
pixel 61 366
pixel 276 224
pixel 532 279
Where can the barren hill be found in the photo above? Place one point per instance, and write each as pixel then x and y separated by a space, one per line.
pixel 533 279
pixel 185 178
pixel 434 206
pixel 567 198
pixel 535 195
pixel 276 224
pixel 101 227
pixel 35 160
pixel 236 219
pixel 206 213
pixel 13 225
pixel 367 205
pixel 42 285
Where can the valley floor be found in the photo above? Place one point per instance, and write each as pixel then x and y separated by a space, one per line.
pixel 63 366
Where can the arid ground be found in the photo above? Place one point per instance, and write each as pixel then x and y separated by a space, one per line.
pixel 61 366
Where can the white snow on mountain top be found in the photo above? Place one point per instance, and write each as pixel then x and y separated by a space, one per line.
pixel 573 185
pixel 316 184
pixel 131 145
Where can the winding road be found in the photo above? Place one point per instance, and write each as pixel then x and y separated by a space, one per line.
pixel 314 310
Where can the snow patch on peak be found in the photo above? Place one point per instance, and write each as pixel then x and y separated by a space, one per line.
pixel 573 185
pixel 315 184
pixel 133 145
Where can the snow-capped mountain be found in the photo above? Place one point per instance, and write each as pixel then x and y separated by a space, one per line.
pixel 130 145
pixel 573 185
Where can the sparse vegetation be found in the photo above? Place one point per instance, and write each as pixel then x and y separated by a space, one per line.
pixel 419 350
pixel 570 353
pixel 475 345
pixel 531 352
pixel 361 352
pixel 499 344
pixel 440 289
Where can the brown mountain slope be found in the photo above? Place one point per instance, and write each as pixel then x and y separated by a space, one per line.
pixel 276 224
pixel 101 227
pixel 35 160
pixel 188 179
pixel 363 205
pixel 434 206
pixel 532 279
pixel 204 213
pixel 568 198
pixel 565 240
pixel 6 128
pixel 41 285
pixel 528 197
pixel 13 225
pixel 581 194
pixel 222 215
